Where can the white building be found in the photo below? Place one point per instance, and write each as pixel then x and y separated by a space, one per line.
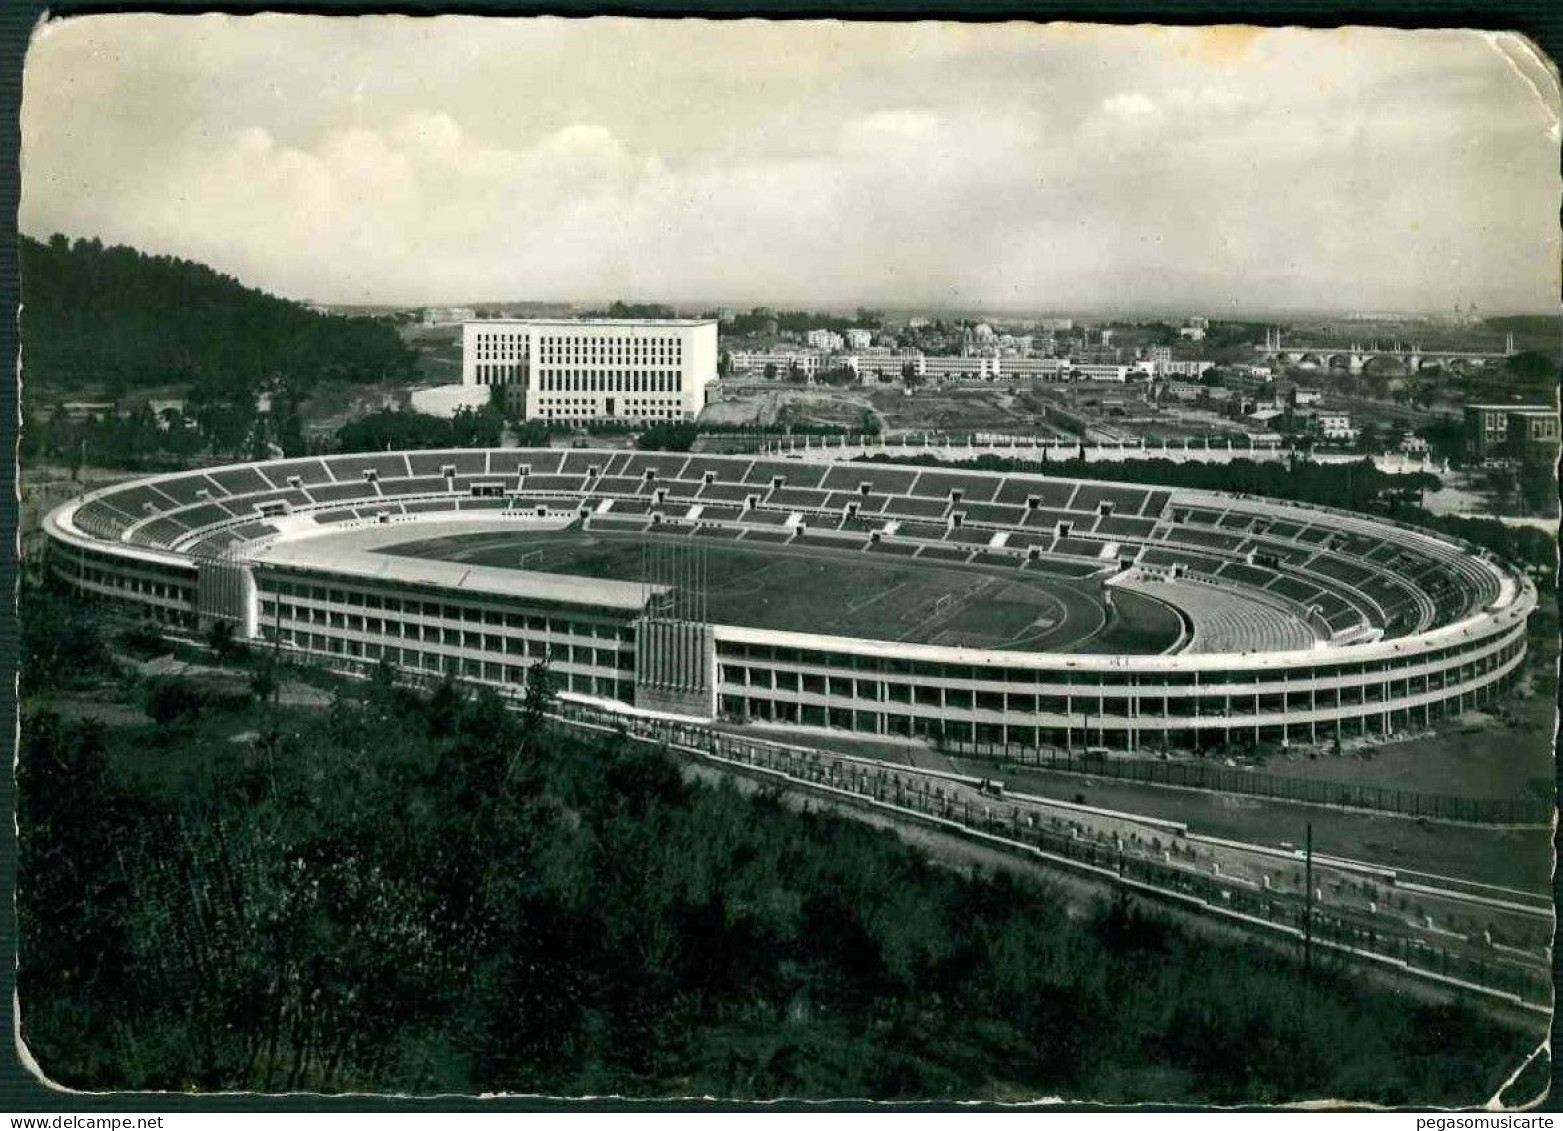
pixel 580 370
pixel 959 368
pixel 754 361
pixel 1087 371
pixel 1040 368
pixel 1171 368
pixel 1336 426
pixel 447 315
pixel 827 341
pixel 859 339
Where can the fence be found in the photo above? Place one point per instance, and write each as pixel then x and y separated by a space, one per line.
pixel 1229 779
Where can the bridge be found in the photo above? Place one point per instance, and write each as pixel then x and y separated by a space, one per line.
pixel 1356 357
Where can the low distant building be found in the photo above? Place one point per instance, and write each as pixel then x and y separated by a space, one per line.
pixel 447 315
pixel 859 339
pixel 827 341
pixel 1193 330
pixel 1336 426
pixel 1035 368
pixel 1301 398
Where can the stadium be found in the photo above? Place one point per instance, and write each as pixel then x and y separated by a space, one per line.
pixel 967 607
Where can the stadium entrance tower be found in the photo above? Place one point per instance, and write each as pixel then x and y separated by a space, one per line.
pixel 675 648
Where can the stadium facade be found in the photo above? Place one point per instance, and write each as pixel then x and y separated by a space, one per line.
pixel 579 370
pixel 1301 624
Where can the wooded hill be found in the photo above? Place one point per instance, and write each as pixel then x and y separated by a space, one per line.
pixel 112 320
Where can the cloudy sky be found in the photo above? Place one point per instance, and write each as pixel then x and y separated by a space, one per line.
pixel 1002 167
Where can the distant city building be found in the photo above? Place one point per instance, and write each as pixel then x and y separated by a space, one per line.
pixel 1100 372
pixel 1158 353
pixel 859 339
pixel 1042 368
pixel 1170 368
pixel 1057 325
pixel 955 368
pixel 594 369
pixel 827 341
pixel 1497 431
pixel 1194 329
pixel 755 361
pixel 1096 354
pixel 1335 426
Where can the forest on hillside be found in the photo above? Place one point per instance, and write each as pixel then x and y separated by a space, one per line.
pixel 113 319
pixel 425 891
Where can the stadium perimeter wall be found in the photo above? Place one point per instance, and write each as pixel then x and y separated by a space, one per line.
pixel 489 625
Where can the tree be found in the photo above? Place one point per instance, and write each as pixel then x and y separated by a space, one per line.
pixel 1370 438
pixel 220 639
pixel 539 699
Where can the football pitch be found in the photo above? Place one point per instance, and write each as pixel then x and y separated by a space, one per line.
pixel 846 593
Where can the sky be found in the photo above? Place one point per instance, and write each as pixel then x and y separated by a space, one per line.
pixel 1006 167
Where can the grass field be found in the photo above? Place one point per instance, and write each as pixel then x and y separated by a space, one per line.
pixel 844 593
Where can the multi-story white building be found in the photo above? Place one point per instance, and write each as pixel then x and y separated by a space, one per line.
pixel 859 339
pixel 1170 368
pixel 957 368
pixel 1042 368
pixel 1100 372
pixel 827 340
pixel 574 370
